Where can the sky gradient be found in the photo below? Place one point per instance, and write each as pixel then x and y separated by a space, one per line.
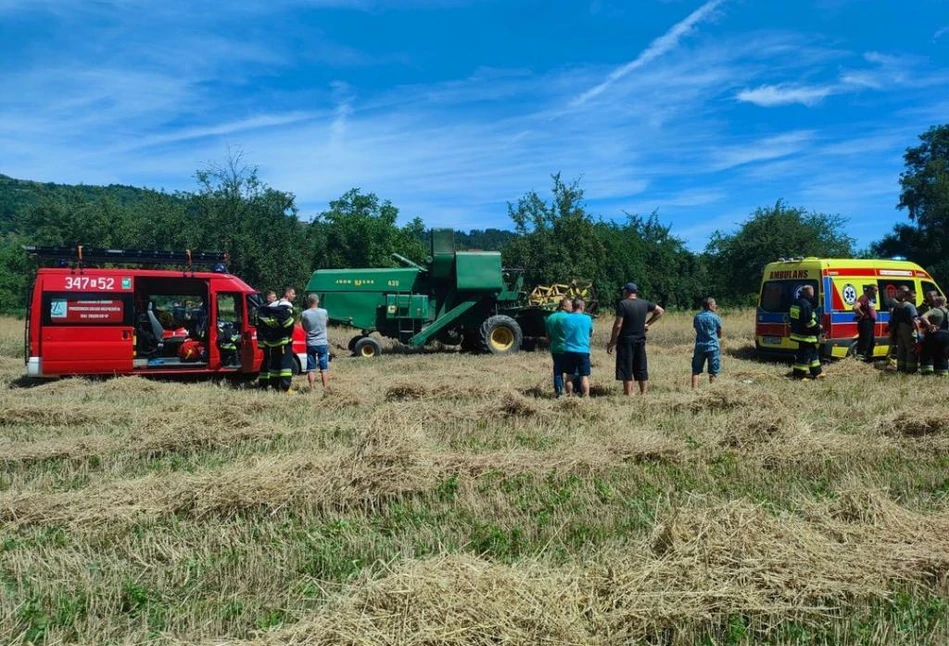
pixel 452 108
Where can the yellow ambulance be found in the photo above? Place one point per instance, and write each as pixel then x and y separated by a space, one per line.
pixel 837 283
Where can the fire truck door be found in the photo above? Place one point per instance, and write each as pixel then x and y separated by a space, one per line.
pixel 251 354
pixel 86 333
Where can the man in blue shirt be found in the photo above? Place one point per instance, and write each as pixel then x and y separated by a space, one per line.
pixel 708 333
pixel 577 327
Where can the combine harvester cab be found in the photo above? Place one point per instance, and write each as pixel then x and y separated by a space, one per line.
pixel 837 283
pixel 456 297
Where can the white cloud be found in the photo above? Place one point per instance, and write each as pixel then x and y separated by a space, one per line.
pixel 769 96
pixel 767 148
pixel 658 47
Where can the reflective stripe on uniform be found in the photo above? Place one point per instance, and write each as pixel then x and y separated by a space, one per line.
pixel 800 338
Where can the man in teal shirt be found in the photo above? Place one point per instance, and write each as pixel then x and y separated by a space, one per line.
pixel 578 328
pixel 557 338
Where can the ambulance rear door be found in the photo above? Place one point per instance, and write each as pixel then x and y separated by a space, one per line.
pixel 87 324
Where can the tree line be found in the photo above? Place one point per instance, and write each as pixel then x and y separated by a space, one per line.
pixel 553 240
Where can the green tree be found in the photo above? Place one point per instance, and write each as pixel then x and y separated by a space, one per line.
pixel 736 260
pixel 555 241
pixel 924 193
pixel 360 230
pixel 234 211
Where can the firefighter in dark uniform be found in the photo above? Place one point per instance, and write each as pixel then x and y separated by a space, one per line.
pixel 275 334
pixel 805 330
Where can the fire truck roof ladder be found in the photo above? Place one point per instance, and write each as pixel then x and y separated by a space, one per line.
pixel 80 255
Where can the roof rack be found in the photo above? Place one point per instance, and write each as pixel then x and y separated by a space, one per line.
pixel 80 255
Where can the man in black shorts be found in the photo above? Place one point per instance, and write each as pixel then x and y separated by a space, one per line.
pixel 629 338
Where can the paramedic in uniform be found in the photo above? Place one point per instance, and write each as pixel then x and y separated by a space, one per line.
pixel 805 330
pixel 865 309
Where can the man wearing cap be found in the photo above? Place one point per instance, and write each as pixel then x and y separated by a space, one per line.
pixel 629 338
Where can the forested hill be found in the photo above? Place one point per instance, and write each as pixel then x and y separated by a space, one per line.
pixel 19 194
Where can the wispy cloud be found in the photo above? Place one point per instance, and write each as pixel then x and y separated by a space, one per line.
pixel 758 150
pixel 940 33
pixel 768 96
pixel 885 72
pixel 658 47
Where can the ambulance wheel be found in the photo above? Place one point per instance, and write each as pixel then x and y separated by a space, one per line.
pixel 501 335
pixel 367 347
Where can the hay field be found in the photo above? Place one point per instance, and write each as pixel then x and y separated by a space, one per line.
pixel 440 498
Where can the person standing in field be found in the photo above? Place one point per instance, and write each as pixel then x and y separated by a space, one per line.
pixel 708 334
pixel 577 327
pixel 935 355
pixel 895 304
pixel 805 330
pixel 580 306
pixel 557 340
pixel 275 332
pixel 314 320
pixel 866 311
pixel 905 321
pixel 629 338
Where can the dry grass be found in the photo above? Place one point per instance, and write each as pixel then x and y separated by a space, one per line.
pixel 441 498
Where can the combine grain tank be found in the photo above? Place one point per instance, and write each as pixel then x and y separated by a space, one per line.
pixel 455 297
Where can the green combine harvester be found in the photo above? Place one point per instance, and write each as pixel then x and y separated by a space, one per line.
pixel 456 297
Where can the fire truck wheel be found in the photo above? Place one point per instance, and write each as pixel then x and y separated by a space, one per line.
pixel 297 369
pixel 367 347
pixel 501 335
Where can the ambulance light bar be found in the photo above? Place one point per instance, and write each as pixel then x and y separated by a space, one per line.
pixel 80 254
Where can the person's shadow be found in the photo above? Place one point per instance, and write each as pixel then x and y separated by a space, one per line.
pixel 748 352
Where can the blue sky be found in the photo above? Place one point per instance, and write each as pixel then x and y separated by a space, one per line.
pixel 452 108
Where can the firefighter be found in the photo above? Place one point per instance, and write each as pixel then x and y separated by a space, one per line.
pixel 276 340
pixel 896 304
pixel 935 350
pixel 806 330
pixel 905 321
pixel 228 339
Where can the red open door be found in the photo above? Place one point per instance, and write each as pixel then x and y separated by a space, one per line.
pixel 88 330
pixel 251 354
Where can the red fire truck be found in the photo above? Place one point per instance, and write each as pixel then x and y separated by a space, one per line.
pixel 84 319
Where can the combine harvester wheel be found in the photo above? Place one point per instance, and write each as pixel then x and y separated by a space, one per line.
pixel 367 347
pixel 501 335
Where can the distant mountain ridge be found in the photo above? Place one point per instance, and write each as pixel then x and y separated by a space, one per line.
pixel 16 194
